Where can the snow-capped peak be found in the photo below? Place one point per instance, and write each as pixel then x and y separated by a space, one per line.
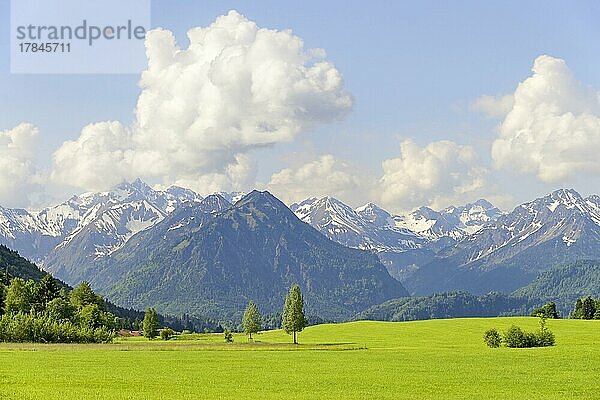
pixel 232 197
pixel 126 209
pixel 367 227
pixel 568 198
pixel 374 214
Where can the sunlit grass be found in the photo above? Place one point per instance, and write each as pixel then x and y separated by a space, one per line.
pixel 443 359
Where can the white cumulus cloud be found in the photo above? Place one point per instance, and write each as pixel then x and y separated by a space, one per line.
pixel 553 128
pixel 18 175
pixel 438 174
pixel 101 157
pixel 325 176
pixel 202 109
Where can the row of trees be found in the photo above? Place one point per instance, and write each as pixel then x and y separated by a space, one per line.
pixel 45 312
pixel 586 308
pixel 293 318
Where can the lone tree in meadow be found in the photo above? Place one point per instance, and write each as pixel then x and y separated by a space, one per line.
pixel 252 319
pixel 293 312
pixel 150 324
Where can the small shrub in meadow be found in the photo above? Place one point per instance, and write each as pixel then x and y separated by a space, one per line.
pixel 167 333
pixel 492 338
pixel 228 336
pixel 517 338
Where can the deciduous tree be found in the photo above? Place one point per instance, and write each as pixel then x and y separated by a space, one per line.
pixel 548 310
pixel 150 324
pixel 46 290
pixel 19 296
pixel 83 295
pixel 293 320
pixel 252 319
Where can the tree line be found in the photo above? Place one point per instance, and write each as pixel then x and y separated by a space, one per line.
pixel 584 308
pixel 293 319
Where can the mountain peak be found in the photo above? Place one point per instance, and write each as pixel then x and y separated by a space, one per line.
pixel 567 195
pixel 139 183
pixel 331 202
pixel 257 197
pixel 485 204
pixel 568 198
pixel 214 203
pixel 137 186
pixel 374 214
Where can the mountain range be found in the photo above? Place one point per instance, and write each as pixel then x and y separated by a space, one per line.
pixel 515 248
pixel 99 223
pixel 183 253
pixel 210 258
pixel 402 242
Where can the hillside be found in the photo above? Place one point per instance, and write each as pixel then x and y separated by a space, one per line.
pixel 13 265
pixel 512 251
pixel 449 305
pixel 565 283
pixel 212 264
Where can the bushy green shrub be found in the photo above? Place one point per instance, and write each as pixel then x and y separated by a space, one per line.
pixel 544 336
pixel 167 333
pixel 228 336
pixel 492 338
pixel 517 338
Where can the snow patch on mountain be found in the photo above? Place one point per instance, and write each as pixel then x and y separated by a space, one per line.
pixel 116 215
pixel 368 227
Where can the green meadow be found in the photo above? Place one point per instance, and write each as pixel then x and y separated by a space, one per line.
pixel 435 359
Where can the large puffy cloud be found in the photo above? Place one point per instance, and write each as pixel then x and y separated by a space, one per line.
pixel 438 174
pixel 18 175
pixel 202 109
pixel 325 176
pixel 553 128
pixel 101 157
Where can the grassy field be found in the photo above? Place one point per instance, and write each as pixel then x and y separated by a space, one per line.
pixel 438 359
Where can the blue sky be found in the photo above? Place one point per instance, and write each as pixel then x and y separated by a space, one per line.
pixel 413 69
